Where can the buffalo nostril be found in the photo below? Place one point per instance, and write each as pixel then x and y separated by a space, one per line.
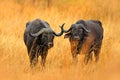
pixel 76 37
pixel 50 44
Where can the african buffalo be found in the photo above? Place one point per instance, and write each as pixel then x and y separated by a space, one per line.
pixel 38 38
pixel 85 36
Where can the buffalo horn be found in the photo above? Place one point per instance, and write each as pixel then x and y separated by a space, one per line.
pixel 41 31
pixel 59 34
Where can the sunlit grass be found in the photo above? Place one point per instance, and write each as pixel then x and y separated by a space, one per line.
pixel 14 60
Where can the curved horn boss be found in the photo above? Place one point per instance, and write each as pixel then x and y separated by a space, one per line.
pixel 41 31
pixel 75 25
pixel 48 30
pixel 83 27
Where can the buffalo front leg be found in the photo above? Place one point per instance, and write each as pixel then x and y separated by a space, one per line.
pixel 74 50
pixel 88 56
pixel 33 54
pixel 97 52
pixel 74 56
pixel 33 58
pixel 43 58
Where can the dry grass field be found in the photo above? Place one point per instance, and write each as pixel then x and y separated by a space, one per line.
pixel 14 61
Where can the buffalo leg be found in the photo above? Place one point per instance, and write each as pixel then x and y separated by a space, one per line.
pixel 43 58
pixel 33 55
pixel 97 52
pixel 88 56
pixel 33 58
pixel 74 55
pixel 91 56
pixel 74 50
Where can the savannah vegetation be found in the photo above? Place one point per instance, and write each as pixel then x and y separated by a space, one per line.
pixel 14 60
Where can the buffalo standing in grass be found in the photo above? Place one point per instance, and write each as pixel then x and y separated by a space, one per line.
pixel 86 35
pixel 38 38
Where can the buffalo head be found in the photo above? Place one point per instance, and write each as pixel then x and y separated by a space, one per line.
pixel 46 36
pixel 76 32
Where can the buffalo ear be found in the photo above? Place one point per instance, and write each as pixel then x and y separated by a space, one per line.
pixel 27 24
pixel 67 35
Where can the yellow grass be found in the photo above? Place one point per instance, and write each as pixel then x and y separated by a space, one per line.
pixel 14 62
